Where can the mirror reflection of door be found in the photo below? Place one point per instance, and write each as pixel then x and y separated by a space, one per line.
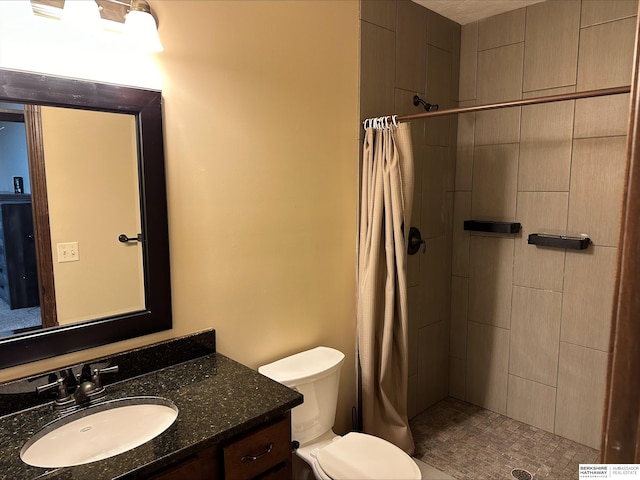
pixel 79 172
pixel 93 196
pixel 19 297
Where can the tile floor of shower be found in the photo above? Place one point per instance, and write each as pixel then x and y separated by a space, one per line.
pixel 468 442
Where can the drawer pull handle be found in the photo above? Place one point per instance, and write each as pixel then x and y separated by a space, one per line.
pixel 251 458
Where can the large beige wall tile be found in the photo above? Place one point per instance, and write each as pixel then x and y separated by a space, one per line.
pixel 487 365
pixel 435 282
pixel 434 188
pixel 433 364
pixel 602 116
pixel 468 61
pixel 551 44
pixel 413 304
pixel 457 374
pixel 380 12
pixel 464 153
pixel 490 280
pixel 600 11
pixel 413 268
pixel 439 77
pixel 545 147
pixel 452 149
pixel 438 91
pixel 581 385
pixel 495 170
pixel 606 54
pixel 437 130
pixel 459 236
pixel 588 297
pixel 404 106
pixel 459 306
pixel 531 403
pixel 500 73
pixel 595 202
pixel 440 31
pixel 412 396
pixel 549 91
pixel 535 334
pixel 411 46
pixel 449 228
pixel 377 65
pixel 501 30
pixel 455 64
pixel 498 126
pixel 413 262
pixel 540 267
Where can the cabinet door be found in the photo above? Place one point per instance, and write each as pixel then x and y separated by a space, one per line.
pixel 203 466
pixel 262 453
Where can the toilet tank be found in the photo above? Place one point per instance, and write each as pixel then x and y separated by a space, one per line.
pixel 315 374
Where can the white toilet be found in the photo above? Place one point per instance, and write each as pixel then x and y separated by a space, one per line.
pixel 315 373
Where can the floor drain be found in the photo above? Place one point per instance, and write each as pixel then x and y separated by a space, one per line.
pixel 520 474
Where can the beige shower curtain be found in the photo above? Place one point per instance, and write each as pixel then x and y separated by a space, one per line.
pixel 385 211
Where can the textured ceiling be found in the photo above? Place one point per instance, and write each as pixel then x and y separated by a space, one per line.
pixel 467 11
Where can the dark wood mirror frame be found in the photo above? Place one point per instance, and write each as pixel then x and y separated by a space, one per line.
pixel 35 90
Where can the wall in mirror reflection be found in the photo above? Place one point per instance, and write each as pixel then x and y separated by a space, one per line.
pixel 91 163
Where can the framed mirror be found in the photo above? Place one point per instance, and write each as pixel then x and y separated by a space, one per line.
pixel 97 193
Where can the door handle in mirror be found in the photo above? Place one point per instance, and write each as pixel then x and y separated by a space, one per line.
pixel 124 239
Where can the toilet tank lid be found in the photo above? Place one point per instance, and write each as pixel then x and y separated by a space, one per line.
pixel 304 366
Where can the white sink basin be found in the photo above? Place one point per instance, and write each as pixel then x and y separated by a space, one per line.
pixel 98 432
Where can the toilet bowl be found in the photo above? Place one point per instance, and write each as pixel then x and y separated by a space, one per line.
pixel 316 373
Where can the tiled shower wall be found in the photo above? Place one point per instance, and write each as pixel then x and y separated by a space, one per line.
pixel 529 325
pixel 407 50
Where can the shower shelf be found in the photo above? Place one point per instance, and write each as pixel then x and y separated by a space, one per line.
pixel 493 227
pixel 559 241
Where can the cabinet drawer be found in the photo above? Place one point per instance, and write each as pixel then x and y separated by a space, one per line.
pixel 203 466
pixel 260 451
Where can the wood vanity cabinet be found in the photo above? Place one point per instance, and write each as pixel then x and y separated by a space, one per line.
pixel 262 453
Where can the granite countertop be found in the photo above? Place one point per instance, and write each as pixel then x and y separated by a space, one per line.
pixel 217 398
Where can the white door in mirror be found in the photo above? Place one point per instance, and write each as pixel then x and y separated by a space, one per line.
pixel 99 432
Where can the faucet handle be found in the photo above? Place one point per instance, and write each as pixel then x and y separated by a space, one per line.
pixel 99 371
pixel 60 384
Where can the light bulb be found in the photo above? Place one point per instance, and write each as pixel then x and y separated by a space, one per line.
pixel 142 30
pixel 82 15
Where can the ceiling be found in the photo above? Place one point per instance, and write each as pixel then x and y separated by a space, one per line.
pixel 467 11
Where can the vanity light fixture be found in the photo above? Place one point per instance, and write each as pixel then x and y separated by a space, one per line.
pixel 134 18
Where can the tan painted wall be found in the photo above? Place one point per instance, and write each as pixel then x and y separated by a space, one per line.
pixel 261 127
pixel 92 188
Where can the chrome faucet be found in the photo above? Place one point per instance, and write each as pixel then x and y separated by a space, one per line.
pixel 75 391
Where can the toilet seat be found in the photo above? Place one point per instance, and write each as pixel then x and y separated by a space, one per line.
pixel 362 456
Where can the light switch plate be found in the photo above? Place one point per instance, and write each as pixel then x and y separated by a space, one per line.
pixel 68 252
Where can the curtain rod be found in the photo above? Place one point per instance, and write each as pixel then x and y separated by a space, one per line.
pixel 517 103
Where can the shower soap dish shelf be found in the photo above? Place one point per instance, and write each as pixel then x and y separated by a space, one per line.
pixel 493 227
pixel 559 241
